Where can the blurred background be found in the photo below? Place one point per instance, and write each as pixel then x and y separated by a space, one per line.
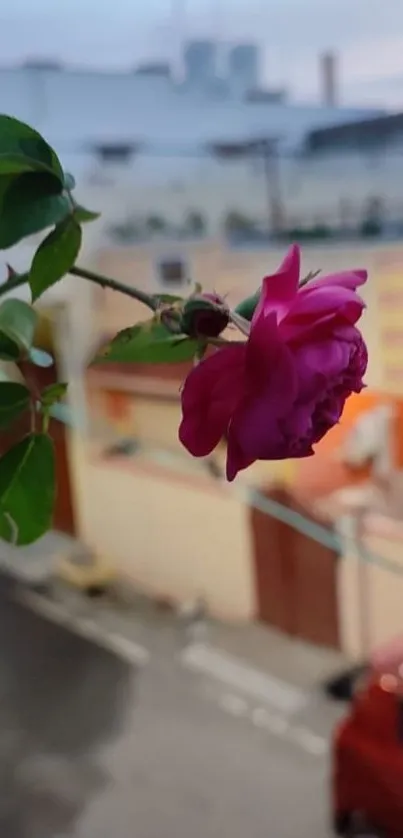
pixel 212 626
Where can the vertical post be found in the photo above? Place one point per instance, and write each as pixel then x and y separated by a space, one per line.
pixel 363 586
pixel 271 169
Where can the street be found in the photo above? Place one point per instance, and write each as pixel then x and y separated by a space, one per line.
pixel 95 745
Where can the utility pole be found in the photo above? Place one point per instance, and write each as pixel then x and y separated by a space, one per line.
pixel 267 150
pixel 364 590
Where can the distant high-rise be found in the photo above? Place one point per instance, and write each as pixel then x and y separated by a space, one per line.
pixel 243 68
pixel 200 59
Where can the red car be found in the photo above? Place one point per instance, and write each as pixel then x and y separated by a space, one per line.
pixel 368 752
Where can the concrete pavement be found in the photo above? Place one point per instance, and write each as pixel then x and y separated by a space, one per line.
pixel 114 733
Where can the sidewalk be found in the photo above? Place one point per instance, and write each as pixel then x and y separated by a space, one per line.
pixel 255 645
pixel 300 664
pixel 36 563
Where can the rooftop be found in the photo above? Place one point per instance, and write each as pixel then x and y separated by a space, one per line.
pixel 74 108
pixel 373 130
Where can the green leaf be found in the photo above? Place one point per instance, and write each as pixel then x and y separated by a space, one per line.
pixel 53 393
pixel 14 398
pixel 17 325
pixel 55 256
pixel 5 183
pixel 26 513
pixel 82 215
pixel 40 358
pixel 148 342
pixel 30 203
pixel 247 307
pixel 13 164
pixel 9 351
pixel 21 145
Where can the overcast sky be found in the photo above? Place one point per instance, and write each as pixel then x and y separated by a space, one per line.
pixel 368 35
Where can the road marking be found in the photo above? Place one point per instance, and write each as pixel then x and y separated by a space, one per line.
pixel 271 722
pixel 85 627
pixel 277 725
pixel 260 716
pixel 236 674
pixel 310 741
pixel 233 704
pixel 128 649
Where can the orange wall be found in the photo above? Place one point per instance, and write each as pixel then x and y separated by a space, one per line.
pixel 324 473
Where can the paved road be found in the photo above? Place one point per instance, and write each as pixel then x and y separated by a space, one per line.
pixel 93 746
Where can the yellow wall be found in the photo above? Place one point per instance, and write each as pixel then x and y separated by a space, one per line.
pixel 389 286
pixel 169 537
pixel 156 422
pixel 370 593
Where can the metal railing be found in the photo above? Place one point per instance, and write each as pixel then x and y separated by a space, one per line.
pixel 251 496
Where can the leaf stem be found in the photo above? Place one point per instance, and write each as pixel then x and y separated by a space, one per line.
pixel 240 322
pixel 148 300
pixel 115 285
pixel 15 281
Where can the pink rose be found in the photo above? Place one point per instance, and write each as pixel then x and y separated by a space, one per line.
pixel 277 394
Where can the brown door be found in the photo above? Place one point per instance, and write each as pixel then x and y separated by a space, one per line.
pixel 63 519
pixel 64 514
pixel 295 577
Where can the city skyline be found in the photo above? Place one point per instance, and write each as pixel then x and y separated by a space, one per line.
pixel 118 37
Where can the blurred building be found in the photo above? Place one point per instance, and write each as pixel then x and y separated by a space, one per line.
pixel 243 68
pixel 200 63
pixel 153 143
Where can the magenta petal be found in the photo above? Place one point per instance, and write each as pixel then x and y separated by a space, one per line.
pixel 268 360
pixel 279 393
pixel 255 430
pixel 345 279
pixel 254 433
pixel 327 299
pixel 300 330
pixel 326 358
pixel 280 289
pixel 209 397
pixel 237 460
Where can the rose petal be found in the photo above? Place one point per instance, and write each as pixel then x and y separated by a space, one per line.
pixel 327 299
pixel 209 397
pixel 345 279
pixel 268 361
pixel 280 289
pixel 237 460
pixel 329 358
pixel 255 430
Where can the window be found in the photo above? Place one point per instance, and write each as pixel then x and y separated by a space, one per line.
pixel 172 272
pixel 115 152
